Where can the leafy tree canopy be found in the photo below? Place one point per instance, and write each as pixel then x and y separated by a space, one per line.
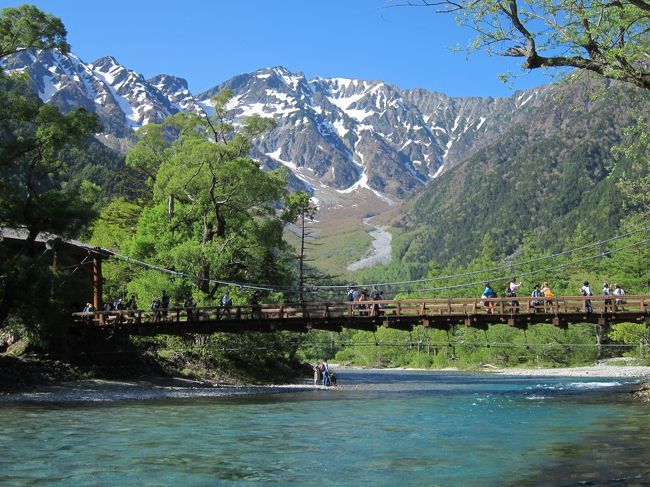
pixel 37 144
pixel 608 37
pixel 208 210
pixel 26 27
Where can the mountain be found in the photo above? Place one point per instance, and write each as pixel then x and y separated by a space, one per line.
pixel 539 160
pixel 343 134
pixel 547 175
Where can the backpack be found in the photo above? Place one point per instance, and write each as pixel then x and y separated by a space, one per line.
pixel 155 305
pixel 509 292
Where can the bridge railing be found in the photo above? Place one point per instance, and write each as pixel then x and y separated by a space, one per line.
pixel 560 305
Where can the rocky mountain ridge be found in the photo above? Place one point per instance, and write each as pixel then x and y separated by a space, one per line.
pixel 335 135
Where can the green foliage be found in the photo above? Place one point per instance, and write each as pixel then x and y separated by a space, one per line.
pixel 500 345
pixel 26 27
pixel 206 209
pixel 623 260
pixel 38 144
pixel 602 37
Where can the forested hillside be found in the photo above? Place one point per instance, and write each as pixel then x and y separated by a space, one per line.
pixel 545 175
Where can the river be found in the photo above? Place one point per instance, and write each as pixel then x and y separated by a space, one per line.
pixel 380 428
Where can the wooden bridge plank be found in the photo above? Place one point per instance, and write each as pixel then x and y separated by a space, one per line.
pixel 404 315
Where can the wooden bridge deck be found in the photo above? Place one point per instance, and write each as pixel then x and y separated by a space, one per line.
pixel 403 314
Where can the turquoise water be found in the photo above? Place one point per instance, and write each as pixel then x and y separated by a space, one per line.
pixel 380 428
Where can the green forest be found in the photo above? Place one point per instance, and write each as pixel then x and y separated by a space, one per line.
pixel 188 198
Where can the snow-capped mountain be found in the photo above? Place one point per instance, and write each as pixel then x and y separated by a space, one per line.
pixel 342 135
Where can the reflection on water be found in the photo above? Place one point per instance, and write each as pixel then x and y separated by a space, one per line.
pixel 382 428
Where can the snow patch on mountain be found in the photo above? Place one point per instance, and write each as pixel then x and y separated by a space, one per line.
pixel 362 183
pixel 298 172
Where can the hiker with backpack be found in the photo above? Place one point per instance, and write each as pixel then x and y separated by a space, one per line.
pixel 155 307
pixel 606 292
pixel 488 294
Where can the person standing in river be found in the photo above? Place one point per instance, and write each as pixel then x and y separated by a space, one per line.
pixel 318 373
pixel 326 373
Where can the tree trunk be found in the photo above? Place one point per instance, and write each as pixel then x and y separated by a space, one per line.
pixel 204 267
pixel 301 262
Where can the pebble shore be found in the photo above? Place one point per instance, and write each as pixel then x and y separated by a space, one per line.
pixel 642 372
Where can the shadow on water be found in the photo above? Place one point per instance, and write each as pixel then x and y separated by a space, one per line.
pixel 616 455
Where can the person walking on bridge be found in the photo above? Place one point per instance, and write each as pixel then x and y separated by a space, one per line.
pixel 537 293
pixel 606 292
pixel 189 307
pixel 164 304
pixel 511 292
pixel 256 309
pixel 547 292
pixel 225 305
pixel 488 294
pixel 619 292
pixel 585 290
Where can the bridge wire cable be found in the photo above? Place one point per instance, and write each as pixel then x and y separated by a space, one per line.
pixel 508 265
pixel 530 273
pixel 261 287
pixel 315 288
pixel 507 277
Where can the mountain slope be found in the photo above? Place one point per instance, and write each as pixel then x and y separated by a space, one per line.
pixel 546 174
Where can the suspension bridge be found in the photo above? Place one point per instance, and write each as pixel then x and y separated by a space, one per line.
pixel 443 314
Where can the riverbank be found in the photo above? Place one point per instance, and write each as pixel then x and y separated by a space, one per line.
pixel 595 370
pixel 40 375
pixel 598 370
pixel 31 373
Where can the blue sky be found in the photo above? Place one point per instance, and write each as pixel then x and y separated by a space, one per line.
pixel 210 41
